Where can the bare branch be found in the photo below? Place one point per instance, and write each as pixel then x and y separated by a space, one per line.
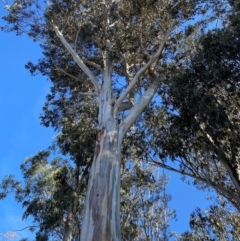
pixel 232 171
pixel 129 209
pixel 78 60
pixel 76 38
pixel 19 230
pixel 93 64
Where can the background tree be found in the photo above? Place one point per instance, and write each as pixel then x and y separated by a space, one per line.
pixel 54 197
pixel 201 112
pixel 54 185
pixel 218 222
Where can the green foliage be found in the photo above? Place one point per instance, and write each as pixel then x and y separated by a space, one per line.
pixel 46 193
pixel 219 222
pixel 201 104
pixel 49 190
pixel 144 203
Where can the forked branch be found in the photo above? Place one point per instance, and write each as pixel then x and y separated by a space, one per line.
pixel 78 60
pixel 137 109
pixel 142 70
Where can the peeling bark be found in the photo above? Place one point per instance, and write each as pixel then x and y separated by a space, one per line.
pixel 101 219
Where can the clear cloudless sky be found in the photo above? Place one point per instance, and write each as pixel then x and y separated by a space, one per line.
pixel 21 135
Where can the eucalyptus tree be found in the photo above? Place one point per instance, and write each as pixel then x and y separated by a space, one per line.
pixel 218 222
pixel 145 213
pixel 120 49
pixel 201 99
pixel 47 195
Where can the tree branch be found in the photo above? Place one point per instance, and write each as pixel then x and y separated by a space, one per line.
pixel 233 172
pixel 93 64
pixel 142 70
pixel 137 109
pixel 228 194
pixel 129 209
pixel 78 60
pixel 19 230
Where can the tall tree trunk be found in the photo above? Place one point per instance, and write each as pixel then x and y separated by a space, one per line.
pixel 68 229
pixel 101 219
pixel 67 236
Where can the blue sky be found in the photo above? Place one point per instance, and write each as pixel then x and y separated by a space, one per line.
pixel 21 100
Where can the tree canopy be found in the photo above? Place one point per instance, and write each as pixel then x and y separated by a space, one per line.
pixel 141 64
pixel 201 99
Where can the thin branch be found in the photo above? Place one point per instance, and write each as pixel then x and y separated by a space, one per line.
pixel 76 38
pixel 78 60
pixel 113 24
pixel 19 230
pixel 219 188
pixel 129 209
pixel 222 157
pixel 93 64
pixel 143 50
